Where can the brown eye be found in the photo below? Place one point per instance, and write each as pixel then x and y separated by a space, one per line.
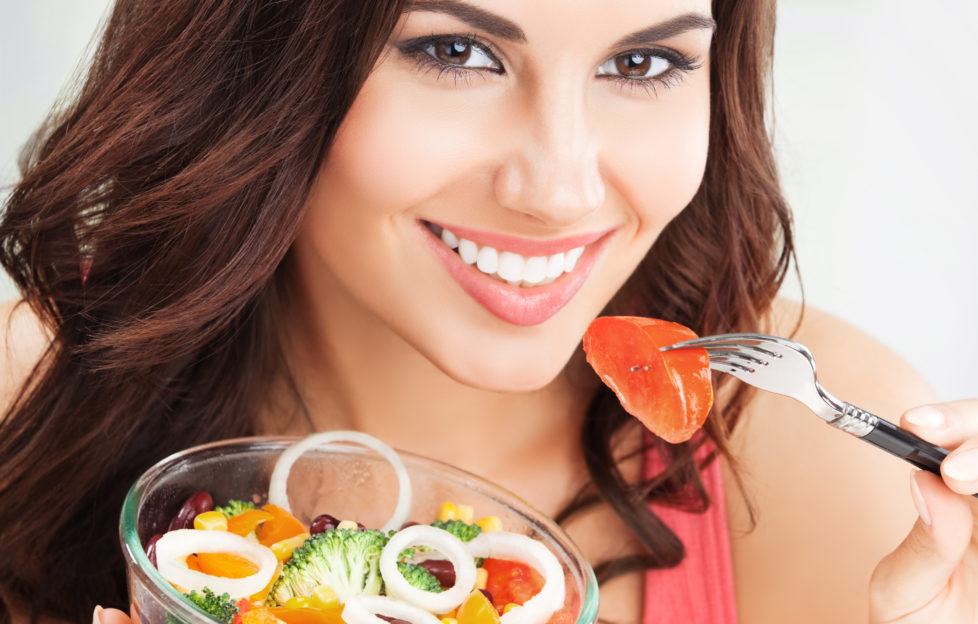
pixel 633 64
pixel 453 52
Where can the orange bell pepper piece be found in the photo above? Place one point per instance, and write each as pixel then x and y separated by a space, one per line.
pixel 476 609
pixel 282 526
pixel 246 522
pixel 222 564
pixel 256 615
pixel 308 615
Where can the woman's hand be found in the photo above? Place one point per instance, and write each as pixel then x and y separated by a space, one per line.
pixel 932 577
pixel 110 616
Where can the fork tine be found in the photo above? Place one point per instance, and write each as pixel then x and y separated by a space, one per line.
pixel 741 343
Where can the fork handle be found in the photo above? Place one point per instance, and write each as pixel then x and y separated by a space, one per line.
pixel 893 439
pixel 906 445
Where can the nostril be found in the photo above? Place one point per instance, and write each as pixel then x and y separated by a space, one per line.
pixel 560 193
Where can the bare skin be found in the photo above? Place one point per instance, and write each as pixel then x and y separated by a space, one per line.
pixel 804 478
pixel 550 149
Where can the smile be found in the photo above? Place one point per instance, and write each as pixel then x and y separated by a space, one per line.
pixel 521 281
pixel 513 268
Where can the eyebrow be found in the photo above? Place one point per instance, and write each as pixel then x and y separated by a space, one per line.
pixel 473 16
pixel 667 29
pixel 501 27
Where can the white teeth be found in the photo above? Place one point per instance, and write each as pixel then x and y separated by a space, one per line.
pixel 468 250
pixel 449 239
pixel 535 270
pixel 488 260
pixel 555 266
pixel 512 267
pixel 570 260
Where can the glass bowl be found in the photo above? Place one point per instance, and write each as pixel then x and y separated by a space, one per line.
pixel 346 481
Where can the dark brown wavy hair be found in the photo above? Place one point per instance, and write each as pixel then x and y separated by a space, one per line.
pixel 150 232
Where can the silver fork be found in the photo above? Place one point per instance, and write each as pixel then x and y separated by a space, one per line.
pixel 787 367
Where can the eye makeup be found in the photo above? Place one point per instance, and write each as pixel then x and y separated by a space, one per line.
pixel 464 56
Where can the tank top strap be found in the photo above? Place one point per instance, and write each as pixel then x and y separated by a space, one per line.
pixel 701 588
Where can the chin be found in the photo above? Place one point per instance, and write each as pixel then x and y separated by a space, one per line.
pixel 521 369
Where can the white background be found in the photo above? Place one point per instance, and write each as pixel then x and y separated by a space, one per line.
pixel 876 109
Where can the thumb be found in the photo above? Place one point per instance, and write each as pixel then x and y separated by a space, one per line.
pixel 921 566
pixel 110 616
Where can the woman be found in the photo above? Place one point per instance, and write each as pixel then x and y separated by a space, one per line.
pixel 287 217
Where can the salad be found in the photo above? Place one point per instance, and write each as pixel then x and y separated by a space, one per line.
pixel 254 562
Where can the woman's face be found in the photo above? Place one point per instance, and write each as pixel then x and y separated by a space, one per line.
pixel 503 171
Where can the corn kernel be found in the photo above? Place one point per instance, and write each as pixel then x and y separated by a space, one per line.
pixel 325 598
pixel 448 511
pixel 449 621
pixel 283 548
pixel 211 521
pixel 509 607
pixel 481 578
pixel 465 513
pixel 490 523
pixel 298 602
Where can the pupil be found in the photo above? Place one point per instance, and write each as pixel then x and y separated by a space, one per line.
pixel 633 64
pixel 456 52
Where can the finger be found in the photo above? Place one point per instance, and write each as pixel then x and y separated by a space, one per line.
pixel 921 566
pixel 110 616
pixel 954 426
pixel 946 424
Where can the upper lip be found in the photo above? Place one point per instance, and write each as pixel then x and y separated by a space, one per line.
pixel 528 247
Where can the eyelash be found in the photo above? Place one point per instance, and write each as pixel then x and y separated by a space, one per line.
pixel 417 49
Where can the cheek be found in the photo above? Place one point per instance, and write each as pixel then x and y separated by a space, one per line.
pixel 399 144
pixel 657 154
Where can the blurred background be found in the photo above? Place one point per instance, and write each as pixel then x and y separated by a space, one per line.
pixel 876 128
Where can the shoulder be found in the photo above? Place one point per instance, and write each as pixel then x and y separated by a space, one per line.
pixel 851 364
pixel 822 497
pixel 23 339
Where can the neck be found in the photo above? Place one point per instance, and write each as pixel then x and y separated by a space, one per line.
pixel 363 376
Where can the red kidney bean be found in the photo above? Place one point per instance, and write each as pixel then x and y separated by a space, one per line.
pixel 441 569
pixel 323 522
pixel 485 592
pixel 392 620
pixel 151 548
pixel 409 523
pixel 198 503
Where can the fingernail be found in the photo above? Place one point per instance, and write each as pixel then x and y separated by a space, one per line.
pixel 97 615
pixel 918 500
pixel 925 416
pixel 962 466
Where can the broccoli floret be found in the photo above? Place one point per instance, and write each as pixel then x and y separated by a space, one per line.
pixel 221 608
pixel 419 576
pixel 235 507
pixel 347 560
pixel 459 529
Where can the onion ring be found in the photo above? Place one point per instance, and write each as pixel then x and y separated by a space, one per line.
pixel 277 487
pixel 523 549
pixel 360 609
pixel 446 543
pixel 173 548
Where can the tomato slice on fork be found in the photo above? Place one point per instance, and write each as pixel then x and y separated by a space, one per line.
pixel 670 392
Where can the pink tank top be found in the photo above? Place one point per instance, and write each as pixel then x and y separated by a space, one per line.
pixel 701 588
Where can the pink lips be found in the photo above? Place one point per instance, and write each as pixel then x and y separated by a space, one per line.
pixel 514 304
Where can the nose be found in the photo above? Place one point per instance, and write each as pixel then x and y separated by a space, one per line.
pixel 552 172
